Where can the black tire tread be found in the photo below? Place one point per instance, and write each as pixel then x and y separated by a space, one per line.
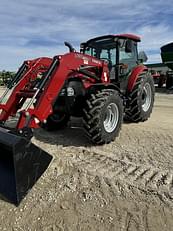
pixel 91 115
pixel 134 111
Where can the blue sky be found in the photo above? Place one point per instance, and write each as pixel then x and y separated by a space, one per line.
pixel 38 28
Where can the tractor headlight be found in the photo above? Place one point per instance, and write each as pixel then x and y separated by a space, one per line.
pixel 70 91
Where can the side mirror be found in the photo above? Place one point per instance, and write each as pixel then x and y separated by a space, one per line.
pixel 142 57
pixel 128 46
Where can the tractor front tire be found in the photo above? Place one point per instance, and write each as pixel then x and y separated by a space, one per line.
pixel 141 99
pixel 103 114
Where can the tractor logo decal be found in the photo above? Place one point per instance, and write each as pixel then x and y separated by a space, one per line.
pixel 85 59
pixel 96 61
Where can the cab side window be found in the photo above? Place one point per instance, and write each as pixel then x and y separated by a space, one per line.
pixel 110 55
pixel 125 56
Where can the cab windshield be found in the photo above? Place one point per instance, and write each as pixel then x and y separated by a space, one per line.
pixel 104 49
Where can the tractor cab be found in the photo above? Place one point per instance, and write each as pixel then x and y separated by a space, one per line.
pixel 119 51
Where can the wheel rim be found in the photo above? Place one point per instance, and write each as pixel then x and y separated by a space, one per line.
pixel 111 118
pixel 146 97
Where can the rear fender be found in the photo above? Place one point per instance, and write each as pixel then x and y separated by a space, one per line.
pixel 134 75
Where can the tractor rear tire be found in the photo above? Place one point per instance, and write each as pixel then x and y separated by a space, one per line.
pixel 103 115
pixel 56 121
pixel 141 99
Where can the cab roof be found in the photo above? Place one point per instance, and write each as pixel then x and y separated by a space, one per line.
pixel 125 36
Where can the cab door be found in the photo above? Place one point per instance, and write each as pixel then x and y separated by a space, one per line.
pixel 127 60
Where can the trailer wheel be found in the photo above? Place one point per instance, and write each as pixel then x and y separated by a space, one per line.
pixel 56 121
pixel 141 99
pixel 103 114
pixel 160 83
pixel 169 81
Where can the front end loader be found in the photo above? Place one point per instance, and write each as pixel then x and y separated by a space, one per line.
pixel 21 162
pixel 104 83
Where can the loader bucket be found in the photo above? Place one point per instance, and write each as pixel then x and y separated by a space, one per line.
pixel 21 165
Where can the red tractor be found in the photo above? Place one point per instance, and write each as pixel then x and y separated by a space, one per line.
pixel 104 83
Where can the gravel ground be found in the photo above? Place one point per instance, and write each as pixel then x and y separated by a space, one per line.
pixel 126 185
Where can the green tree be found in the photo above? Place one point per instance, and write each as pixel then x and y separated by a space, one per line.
pixel 6 76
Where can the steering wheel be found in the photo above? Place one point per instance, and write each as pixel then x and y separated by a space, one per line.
pixel 109 60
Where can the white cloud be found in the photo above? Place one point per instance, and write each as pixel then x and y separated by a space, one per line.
pixel 24 23
pixel 154 58
pixel 153 37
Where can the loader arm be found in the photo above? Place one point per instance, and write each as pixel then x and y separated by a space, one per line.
pixel 61 68
pixel 22 90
